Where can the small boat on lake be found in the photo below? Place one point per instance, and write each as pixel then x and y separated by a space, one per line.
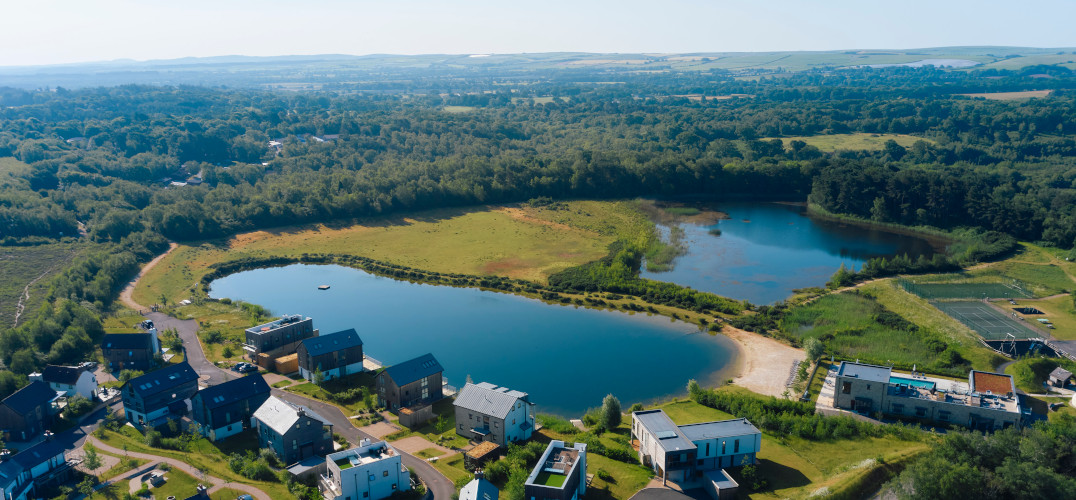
pixel 323 287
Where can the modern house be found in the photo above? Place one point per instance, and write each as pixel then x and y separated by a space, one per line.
pixel 561 473
pixel 988 401
pixel 294 432
pixel 28 412
pixel 370 472
pixel 479 489
pixel 335 355
pixel 38 466
pixel 485 412
pixel 683 452
pixel 266 342
pixel 414 382
pixel 130 351
pixel 70 380
pixel 226 409
pixel 1059 377
pixel 159 396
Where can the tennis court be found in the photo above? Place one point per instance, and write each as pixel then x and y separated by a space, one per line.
pixel 966 290
pixel 987 321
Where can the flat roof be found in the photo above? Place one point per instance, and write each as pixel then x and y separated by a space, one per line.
pixel 668 434
pixel 719 429
pixel 873 373
pixel 996 383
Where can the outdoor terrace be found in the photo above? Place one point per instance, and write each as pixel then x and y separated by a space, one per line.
pixel 354 458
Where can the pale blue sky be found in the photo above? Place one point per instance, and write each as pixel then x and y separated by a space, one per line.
pixel 62 31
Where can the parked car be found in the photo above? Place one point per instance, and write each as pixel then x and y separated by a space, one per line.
pixel 247 368
pixel 244 497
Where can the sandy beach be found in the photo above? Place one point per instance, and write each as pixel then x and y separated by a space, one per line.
pixel 763 364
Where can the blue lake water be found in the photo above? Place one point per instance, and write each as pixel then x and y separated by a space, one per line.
pixel 767 250
pixel 566 358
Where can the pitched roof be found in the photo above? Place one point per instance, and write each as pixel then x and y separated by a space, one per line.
pixel 24 400
pixel 281 415
pixel 164 379
pixel 127 341
pixel 1061 373
pixel 316 346
pixel 38 453
pixel 414 369
pixel 233 390
pixel 488 399
pixel 61 374
pixel 479 489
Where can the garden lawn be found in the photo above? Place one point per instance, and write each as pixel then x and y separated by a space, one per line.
pixel 443 410
pixel 202 453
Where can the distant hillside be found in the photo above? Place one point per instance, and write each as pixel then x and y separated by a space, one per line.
pixel 307 72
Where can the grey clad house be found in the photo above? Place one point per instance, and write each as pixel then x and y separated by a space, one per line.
pixel 335 355
pixel 130 351
pixel 485 412
pixel 226 409
pixel 27 412
pixel 414 382
pixel 277 338
pixel 294 432
pixel 684 452
pixel 159 396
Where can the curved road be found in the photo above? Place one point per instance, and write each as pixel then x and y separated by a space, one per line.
pixel 437 483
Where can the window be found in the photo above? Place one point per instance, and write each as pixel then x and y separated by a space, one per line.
pixel 920 411
pixel 898 408
pixel 461 427
pixel 723 443
pixel 707 448
pixel 943 416
pixel 846 388
pixel 130 353
pixel 425 381
pixel 393 485
pixel 425 392
pixel 294 444
pixel 736 446
pixel 868 387
pixel 385 474
pixel 366 494
pixel 698 462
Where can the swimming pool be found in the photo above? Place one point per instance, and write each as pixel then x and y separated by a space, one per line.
pixel 926 384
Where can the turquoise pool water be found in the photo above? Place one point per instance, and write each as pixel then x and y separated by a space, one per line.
pixel 926 384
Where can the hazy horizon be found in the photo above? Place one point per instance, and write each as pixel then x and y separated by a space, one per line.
pixel 109 30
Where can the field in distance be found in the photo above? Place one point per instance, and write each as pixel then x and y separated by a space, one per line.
pixel 512 241
pixel 854 142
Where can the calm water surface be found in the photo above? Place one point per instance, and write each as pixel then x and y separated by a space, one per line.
pixel 766 250
pixel 567 358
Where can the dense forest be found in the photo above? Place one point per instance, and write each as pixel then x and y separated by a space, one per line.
pixel 130 167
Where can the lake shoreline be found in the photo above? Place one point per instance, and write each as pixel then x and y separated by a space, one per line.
pixel 937 238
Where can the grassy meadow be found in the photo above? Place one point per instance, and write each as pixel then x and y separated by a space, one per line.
pixel 517 242
pixel 856 142
pixel 19 266
pixel 1010 96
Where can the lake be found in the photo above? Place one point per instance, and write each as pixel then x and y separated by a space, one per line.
pixel 566 358
pixel 767 250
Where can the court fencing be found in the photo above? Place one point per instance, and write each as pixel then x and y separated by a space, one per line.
pixel 988 322
pixel 933 291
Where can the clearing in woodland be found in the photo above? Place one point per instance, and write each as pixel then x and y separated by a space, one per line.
pixel 855 142
pixel 517 242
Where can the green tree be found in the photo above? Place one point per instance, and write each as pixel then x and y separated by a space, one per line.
pixel 86 485
pixel 319 378
pixel 814 349
pixel 92 461
pixel 610 418
pixel 227 351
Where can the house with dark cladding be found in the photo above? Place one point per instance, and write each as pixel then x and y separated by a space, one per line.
pixel 27 412
pixel 130 351
pixel 293 432
pixel 416 381
pixel 37 467
pixel 561 473
pixel 226 409
pixel 335 355
pixel 159 396
pixel 277 338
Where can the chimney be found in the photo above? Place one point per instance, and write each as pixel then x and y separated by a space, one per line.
pixel 478 474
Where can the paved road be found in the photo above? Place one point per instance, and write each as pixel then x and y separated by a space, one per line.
pixel 438 484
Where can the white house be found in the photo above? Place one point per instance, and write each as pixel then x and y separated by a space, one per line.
pixel 485 412
pixel 370 472
pixel 70 380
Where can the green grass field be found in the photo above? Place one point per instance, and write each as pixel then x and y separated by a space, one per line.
pixel 1011 96
pixel 1059 310
pixel 517 242
pixel 856 142
pixel 19 266
pixel 11 171
pixel 458 109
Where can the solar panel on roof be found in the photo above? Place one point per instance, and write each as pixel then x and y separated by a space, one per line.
pixel 665 434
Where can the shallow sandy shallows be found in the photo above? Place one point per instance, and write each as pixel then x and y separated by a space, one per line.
pixel 764 363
